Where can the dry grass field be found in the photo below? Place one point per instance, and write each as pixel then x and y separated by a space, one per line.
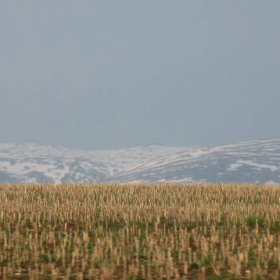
pixel 155 231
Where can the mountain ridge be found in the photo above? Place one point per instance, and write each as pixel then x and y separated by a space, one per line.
pixel 247 161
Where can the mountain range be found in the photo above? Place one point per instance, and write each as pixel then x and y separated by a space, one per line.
pixel 254 161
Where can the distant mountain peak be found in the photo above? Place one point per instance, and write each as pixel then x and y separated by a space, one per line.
pixel 252 161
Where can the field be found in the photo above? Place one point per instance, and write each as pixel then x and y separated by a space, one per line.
pixel 154 231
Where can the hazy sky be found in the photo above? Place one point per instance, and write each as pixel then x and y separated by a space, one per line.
pixel 109 74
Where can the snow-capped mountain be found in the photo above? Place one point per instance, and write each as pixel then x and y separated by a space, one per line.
pixel 255 161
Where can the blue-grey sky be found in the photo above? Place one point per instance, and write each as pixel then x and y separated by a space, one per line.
pixel 109 74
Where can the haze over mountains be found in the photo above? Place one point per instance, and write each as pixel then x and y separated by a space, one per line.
pixel 254 161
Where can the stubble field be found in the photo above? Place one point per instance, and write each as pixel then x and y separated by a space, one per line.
pixel 134 231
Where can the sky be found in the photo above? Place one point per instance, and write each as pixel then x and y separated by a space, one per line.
pixel 114 74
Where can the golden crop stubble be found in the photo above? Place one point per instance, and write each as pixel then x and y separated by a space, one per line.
pixel 149 231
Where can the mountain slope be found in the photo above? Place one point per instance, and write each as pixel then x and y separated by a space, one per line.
pixel 255 161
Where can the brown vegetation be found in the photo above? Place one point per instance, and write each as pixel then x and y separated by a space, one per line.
pixel 155 231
